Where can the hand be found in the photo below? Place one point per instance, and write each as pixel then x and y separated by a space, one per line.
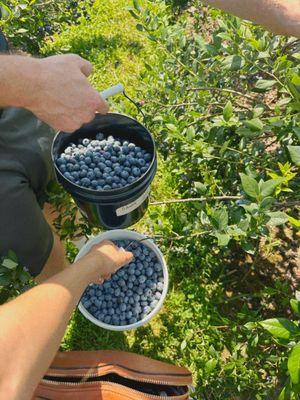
pixel 104 259
pixel 61 95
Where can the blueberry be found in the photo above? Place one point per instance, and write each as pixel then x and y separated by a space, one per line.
pixel 107 170
pixel 147 157
pixel 101 182
pixel 136 171
pixel 97 173
pixel 62 168
pixel 88 160
pixel 85 182
pixel 160 286
pixel 122 158
pixel 90 175
pixel 60 161
pixel 101 166
pixel 87 304
pixel 118 170
pixel 131 146
pixel 109 180
pixel 132 320
pixel 99 136
pixel 107 319
pixel 153 304
pixel 141 162
pixel 106 187
pixel 124 174
pixel 106 155
pixel 70 167
pixel 158 295
pixel 97 303
pixel 86 142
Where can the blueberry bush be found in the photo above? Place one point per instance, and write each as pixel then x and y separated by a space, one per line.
pixel 28 23
pixel 222 98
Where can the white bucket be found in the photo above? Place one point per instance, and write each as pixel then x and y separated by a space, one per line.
pixel 120 234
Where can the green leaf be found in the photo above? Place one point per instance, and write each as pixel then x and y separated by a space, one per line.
pixel 295 154
pixel 267 202
pixel 280 328
pixel 140 27
pixel 210 365
pixel 223 238
pixel 294 364
pixel 137 6
pixel 286 392
pixel 250 186
pixel 12 255
pixel 4 280
pixel 295 222
pixel 295 304
pixel 254 124
pixel 267 188
pixel 9 264
pixel 264 84
pixel 228 111
pixel 277 218
pixel 220 219
pixel 249 247
pixel 246 132
pixel 5 11
pixel 233 63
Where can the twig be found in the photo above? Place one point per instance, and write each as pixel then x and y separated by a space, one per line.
pixel 207 116
pixel 194 103
pixel 288 204
pixel 220 198
pixel 217 89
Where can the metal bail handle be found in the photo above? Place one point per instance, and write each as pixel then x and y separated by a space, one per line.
pixel 117 89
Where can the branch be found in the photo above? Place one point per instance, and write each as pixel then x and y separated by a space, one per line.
pixel 287 204
pixel 220 198
pixel 217 89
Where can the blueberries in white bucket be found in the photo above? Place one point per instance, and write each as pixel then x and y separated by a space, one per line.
pixel 131 293
pixel 103 164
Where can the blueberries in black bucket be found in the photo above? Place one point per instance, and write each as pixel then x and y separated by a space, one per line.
pixel 131 293
pixel 103 164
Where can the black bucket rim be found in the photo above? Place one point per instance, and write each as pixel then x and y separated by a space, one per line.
pixel 116 191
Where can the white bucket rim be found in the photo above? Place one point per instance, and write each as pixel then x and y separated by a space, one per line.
pixel 122 234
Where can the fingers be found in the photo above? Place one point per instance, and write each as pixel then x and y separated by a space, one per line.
pixel 102 106
pixel 124 258
pixel 86 67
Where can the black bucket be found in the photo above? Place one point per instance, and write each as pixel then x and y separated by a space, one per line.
pixel 115 208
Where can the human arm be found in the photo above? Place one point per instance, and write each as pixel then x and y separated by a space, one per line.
pixel 33 324
pixel 55 89
pixel 279 16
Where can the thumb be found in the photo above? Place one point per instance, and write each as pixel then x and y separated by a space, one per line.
pixel 124 257
pixel 85 67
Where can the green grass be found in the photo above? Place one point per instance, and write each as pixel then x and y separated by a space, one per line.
pixel 198 327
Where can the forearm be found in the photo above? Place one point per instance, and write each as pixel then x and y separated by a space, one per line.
pixel 279 16
pixel 32 326
pixel 16 83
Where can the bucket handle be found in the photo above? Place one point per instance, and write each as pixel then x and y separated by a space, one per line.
pixel 119 88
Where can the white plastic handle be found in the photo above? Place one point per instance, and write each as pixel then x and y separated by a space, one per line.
pixel 112 91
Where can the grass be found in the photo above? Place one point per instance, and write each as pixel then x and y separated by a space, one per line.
pixel 200 326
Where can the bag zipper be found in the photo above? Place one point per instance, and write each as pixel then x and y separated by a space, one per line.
pixel 114 384
pixel 156 382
